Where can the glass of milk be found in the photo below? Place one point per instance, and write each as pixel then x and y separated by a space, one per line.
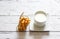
pixel 40 18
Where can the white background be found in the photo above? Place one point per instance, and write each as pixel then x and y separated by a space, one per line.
pixel 10 9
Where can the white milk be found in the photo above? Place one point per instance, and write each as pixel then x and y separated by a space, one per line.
pixel 40 17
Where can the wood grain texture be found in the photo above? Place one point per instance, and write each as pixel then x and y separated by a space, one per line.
pixel 29 35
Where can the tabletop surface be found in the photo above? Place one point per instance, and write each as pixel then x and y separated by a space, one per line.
pixel 10 12
pixel 9 23
pixel 29 35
